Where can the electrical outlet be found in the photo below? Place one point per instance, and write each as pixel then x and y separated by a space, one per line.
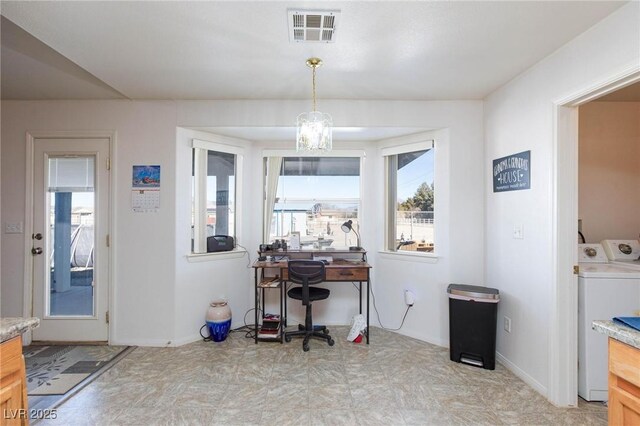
pixel 507 324
pixel 409 298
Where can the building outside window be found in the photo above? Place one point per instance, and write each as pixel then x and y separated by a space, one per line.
pixel 410 197
pixel 313 196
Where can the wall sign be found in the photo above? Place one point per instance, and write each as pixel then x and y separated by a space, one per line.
pixel 512 173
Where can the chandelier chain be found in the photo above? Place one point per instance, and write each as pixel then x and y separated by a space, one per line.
pixel 313 128
pixel 314 88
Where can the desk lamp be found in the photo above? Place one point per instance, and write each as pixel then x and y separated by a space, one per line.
pixel 348 227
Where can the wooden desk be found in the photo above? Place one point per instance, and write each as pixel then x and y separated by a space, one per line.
pixel 347 266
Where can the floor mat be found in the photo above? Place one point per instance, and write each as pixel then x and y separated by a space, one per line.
pixel 59 385
pixel 54 370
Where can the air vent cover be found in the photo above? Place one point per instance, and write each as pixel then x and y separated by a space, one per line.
pixel 313 26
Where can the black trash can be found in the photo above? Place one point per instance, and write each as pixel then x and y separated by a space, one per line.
pixel 473 312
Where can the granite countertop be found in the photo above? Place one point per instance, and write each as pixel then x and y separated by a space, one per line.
pixel 619 332
pixel 12 327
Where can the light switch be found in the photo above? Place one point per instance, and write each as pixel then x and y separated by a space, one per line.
pixel 518 232
pixel 13 228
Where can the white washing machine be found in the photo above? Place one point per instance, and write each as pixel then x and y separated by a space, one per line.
pixel 623 252
pixel 605 290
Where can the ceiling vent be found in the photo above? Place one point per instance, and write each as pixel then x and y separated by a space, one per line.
pixel 313 26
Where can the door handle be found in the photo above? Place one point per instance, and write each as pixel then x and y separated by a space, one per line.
pixel 36 251
pixel 37 236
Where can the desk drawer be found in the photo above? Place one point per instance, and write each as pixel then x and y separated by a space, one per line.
pixel 347 274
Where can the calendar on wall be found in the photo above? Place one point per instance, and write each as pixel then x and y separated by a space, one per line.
pixel 145 189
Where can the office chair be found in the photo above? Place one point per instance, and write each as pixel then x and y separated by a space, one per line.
pixel 307 273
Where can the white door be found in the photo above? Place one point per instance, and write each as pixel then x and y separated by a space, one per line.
pixel 70 231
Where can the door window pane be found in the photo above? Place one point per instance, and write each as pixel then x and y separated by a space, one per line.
pixel 71 206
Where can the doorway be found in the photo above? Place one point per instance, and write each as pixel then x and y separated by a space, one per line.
pixel 69 238
pixel 563 356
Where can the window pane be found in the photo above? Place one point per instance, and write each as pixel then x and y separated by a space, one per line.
pixel 220 193
pixel 71 206
pixel 213 195
pixel 315 196
pixel 415 199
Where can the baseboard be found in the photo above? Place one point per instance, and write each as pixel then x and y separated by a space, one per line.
pixel 541 389
pixel 196 337
pixel 429 339
pixel 158 343
pixel 186 340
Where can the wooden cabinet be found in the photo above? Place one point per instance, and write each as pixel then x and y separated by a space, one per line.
pixel 13 386
pixel 624 384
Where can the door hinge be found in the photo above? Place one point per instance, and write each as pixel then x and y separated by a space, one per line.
pixel 108 163
pixel 107 317
pixel 576 269
pixel 108 241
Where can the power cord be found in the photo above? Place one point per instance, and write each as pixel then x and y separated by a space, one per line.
pixel 249 329
pixel 248 255
pixel 375 308
pixel 205 338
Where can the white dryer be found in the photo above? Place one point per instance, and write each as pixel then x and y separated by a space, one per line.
pixel 623 252
pixel 605 290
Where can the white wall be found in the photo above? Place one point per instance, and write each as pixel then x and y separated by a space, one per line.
pixel 519 117
pixel 160 296
pixel 143 244
pixel 609 170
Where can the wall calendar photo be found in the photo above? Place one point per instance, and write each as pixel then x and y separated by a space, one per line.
pixel 145 189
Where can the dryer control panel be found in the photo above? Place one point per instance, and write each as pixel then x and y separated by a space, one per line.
pixel 622 249
pixel 591 253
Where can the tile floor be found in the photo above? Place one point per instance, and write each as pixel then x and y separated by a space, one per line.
pixel 394 381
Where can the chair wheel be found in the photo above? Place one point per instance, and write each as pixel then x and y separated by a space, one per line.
pixel 287 338
pixel 331 342
pixel 305 348
pixel 325 331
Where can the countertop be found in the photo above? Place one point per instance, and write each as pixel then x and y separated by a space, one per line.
pixel 12 327
pixel 617 331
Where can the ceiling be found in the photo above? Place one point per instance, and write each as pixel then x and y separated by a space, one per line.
pixel 241 50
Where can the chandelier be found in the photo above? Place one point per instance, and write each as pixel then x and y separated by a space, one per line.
pixel 313 129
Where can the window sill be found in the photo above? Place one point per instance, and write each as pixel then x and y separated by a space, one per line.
pixel 222 255
pixel 409 256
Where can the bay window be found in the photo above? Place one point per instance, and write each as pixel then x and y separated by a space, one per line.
pixel 313 196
